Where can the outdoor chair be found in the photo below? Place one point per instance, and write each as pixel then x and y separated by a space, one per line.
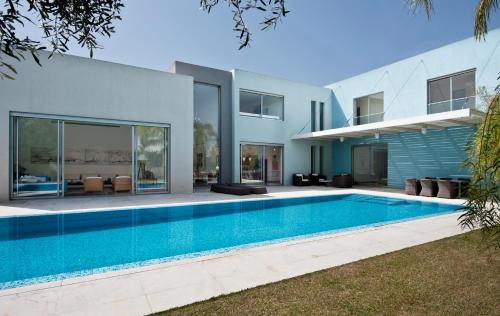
pixel 412 186
pixel 342 181
pixel 447 189
pixel 300 180
pixel 429 187
pixel 93 184
pixel 315 179
pixel 122 183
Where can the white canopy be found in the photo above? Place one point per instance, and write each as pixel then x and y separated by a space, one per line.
pixel 465 117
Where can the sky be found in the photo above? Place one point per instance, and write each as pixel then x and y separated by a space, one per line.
pixel 319 42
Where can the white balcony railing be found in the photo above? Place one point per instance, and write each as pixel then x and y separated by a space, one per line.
pixel 452 105
pixel 370 118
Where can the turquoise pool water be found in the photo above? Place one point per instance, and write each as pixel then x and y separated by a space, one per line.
pixel 50 247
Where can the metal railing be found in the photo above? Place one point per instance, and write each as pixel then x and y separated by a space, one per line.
pixel 370 118
pixel 452 105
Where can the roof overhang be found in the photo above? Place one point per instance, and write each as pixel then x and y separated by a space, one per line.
pixel 465 117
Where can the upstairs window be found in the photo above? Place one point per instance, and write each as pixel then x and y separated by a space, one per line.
pixel 453 92
pixel 369 109
pixel 261 105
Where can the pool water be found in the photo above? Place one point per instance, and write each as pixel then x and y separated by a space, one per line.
pixel 50 247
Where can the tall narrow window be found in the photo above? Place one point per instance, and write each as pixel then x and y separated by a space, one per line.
pixel 320 159
pixel 206 134
pixel 313 159
pixel 313 116
pixel 321 115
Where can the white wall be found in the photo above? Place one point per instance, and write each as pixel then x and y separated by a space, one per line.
pixel 297 115
pixel 75 86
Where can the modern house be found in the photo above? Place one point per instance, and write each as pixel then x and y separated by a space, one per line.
pixel 78 126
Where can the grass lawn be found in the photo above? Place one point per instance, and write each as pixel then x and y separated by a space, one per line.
pixel 449 276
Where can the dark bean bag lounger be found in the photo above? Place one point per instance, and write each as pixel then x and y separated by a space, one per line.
pixel 255 189
pixel 230 189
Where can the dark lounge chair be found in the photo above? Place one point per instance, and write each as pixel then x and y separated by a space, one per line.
pixel 238 189
pixel 342 181
pixel 315 179
pixel 447 189
pixel 412 186
pixel 429 187
pixel 300 180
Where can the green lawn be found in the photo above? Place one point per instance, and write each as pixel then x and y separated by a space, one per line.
pixel 447 277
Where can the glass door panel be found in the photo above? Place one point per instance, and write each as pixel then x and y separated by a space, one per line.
pixel 36 157
pixel 273 165
pixel 150 159
pixel 369 164
pixel 251 164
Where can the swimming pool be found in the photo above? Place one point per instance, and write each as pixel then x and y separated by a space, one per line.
pixel 50 247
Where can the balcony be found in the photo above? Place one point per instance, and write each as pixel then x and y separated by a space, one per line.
pixel 452 105
pixel 367 119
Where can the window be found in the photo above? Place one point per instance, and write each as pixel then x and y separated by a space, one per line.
pixel 313 116
pixel 321 115
pixel 313 159
pixel 321 160
pixel 369 109
pixel 453 92
pixel 206 134
pixel 261 105
pixel 261 163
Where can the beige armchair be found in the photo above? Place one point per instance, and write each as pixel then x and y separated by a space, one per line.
pixel 122 183
pixel 93 184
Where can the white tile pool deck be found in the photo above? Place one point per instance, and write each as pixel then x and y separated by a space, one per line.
pixel 154 288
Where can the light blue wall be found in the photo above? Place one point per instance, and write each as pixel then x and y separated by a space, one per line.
pixel 297 114
pixel 439 153
pixel 404 83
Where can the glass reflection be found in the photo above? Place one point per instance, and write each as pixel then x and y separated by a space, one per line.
pixel 206 134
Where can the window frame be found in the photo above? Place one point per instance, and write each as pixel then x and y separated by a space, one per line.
pixel 262 115
pixel 450 78
pixel 367 96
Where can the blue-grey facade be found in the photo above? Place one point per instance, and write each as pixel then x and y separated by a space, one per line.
pixel 239 126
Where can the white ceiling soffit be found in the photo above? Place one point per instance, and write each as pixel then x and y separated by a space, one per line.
pixel 465 117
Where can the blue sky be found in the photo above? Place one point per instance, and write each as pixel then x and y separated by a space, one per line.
pixel 320 42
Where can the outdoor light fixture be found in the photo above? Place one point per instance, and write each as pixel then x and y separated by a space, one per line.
pixel 424 130
pixel 377 135
pixel 342 139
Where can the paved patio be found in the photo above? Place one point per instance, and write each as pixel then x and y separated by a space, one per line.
pixel 158 287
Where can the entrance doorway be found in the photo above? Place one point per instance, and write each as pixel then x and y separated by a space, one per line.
pixel 369 164
pixel 261 164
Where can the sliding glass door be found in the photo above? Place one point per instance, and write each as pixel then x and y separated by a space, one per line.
pixel 36 157
pixel 55 156
pixel 261 163
pixel 151 144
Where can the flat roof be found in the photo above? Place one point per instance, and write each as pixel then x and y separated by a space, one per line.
pixel 465 117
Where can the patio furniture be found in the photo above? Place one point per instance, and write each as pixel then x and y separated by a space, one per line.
pixel 238 189
pixel 324 181
pixel 314 178
pixel 93 184
pixel 342 181
pixel 412 186
pixel 300 180
pixel 447 189
pixel 429 187
pixel 121 184
pixel 254 189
